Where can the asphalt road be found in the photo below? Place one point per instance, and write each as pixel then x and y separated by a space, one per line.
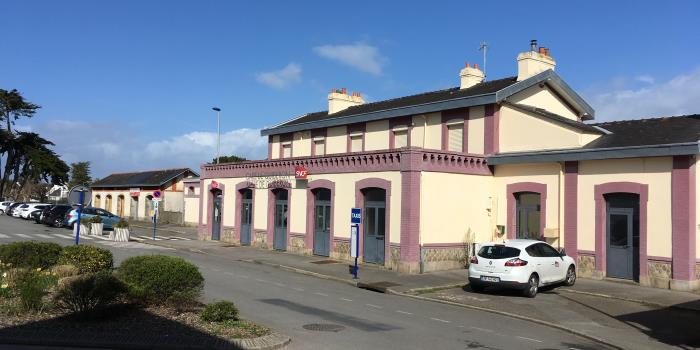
pixel 286 302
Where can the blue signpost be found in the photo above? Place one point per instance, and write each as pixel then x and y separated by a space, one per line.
pixel 156 201
pixel 355 221
pixel 79 196
pixel 80 212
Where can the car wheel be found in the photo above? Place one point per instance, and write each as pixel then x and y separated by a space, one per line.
pixel 532 285
pixel 570 276
pixel 476 287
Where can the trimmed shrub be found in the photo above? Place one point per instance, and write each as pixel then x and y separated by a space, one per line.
pixel 122 224
pixel 30 254
pixel 32 285
pixel 86 258
pixel 96 219
pixel 158 279
pixel 219 311
pixel 88 293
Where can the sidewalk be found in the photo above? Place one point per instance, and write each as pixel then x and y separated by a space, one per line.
pixel 619 314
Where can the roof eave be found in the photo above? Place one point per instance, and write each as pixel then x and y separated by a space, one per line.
pixel 675 149
pixel 423 108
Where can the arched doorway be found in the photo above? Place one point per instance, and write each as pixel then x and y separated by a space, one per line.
pixel 322 221
pixel 374 225
pixel 217 197
pixel 622 235
pixel 246 215
pixel 108 203
pixel 281 219
pixel 120 205
pixel 98 201
pixel 148 207
pixel 134 207
pixel 527 215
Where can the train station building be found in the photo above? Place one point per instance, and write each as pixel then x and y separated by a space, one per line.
pixel 516 157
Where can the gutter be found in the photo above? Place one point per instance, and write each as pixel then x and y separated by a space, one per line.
pixel 672 149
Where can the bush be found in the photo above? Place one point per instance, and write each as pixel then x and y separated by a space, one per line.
pixel 32 285
pixel 61 271
pixel 158 279
pixel 219 311
pixel 96 219
pixel 30 254
pixel 122 224
pixel 88 293
pixel 86 258
pixel 85 221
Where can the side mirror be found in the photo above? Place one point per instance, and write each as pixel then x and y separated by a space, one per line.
pixel 562 252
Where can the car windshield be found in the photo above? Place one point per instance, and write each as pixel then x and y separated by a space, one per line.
pixel 498 252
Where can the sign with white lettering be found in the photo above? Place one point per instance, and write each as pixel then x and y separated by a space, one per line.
pixel 356 215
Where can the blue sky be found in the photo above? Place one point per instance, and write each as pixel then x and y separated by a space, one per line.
pixel 129 85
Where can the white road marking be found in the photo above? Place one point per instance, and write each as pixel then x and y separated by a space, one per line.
pixel 321 294
pixel 216 270
pixel 67 236
pixel 261 281
pixel 345 299
pixel 374 306
pixel 2 235
pixel 530 339
pixel 298 289
pixel 243 276
pixel 404 312
pixel 482 329
pixel 43 235
pixel 439 320
pixel 22 235
pixel 86 237
pixel 280 284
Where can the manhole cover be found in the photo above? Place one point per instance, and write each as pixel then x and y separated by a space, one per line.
pixel 323 262
pixel 323 327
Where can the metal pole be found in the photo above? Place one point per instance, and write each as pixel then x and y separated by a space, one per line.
pixel 155 222
pixel 218 135
pixel 357 249
pixel 80 211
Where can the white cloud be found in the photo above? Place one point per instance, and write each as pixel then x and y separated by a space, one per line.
pixel 199 147
pixel 282 78
pixel 645 79
pixel 359 55
pixel 677 96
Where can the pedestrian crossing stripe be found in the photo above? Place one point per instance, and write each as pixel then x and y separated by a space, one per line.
pixel 22 235
pixel 2 235
pixel 165 238
pixel 43 235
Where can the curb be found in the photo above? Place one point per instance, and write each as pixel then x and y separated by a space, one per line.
pixel 268 342
pixel 161 229
pixel 424 290
pixel 301 271
pixel 638 301
pixel 512 315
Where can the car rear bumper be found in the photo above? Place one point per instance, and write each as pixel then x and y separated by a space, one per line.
pixel 504 284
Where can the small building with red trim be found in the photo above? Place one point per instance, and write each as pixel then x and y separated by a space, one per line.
pixel 517 157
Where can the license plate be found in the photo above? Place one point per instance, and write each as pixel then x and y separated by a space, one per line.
pixel 490 279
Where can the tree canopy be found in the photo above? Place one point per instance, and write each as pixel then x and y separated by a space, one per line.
pixel 79 174
pixel 229 159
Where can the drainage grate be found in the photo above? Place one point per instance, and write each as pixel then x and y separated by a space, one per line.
pixel 323 327
pixel 323 262
pixel 380 287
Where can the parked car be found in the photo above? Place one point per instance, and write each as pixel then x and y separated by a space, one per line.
pixel 35 214
pixel 108 219
pixel 43 212
pixel 24 212
pixel 15 211
pixel 521 264
pixel 4 206
pixel 12 208
pixel 56 215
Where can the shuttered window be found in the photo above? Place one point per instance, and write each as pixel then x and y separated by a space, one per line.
pixel 400 138
pixel 320 147
pixel 287 151
pixel 356 143
pixel 454 137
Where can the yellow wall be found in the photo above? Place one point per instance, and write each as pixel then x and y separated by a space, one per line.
pixel 417 139
pixel 543 97
pixel 433 132
pixel 275 147
pixel 191 211
pixel 655 172
pixel 297 210
pixel 377 135
pixel 301 144
pixel 520 131
pixel 475 138
pixel 453 205
pixel 544 173
pixel 337 140
pixel 697 208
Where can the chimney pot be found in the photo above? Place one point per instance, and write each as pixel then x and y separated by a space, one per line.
pixel 467 64
pixel 476 66
pixel 344 91
pixel 542 51
pixel 533 45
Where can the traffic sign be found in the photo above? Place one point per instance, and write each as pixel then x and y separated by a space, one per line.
pixel 157 194
pixel 74 197
pixel 356 215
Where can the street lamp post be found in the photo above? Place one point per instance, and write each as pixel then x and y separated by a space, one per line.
pixel 218 132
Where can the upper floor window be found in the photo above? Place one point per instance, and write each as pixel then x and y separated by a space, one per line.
pixel 455 135
pixel 286 150
pixel 356 143
pixel 319 146
pixel 400 136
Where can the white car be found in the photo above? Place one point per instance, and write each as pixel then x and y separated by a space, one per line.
pixel 4 206
pixel 521 264
pixel 26 209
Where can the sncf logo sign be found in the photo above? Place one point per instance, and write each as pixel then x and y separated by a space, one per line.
pixel 300 172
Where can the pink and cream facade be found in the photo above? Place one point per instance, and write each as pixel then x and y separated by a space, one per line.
pixel 489 160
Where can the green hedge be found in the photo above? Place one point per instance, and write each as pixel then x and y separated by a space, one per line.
pixel 219 311
pixel 159 279
pixel 30 254
pixel 88 293
pixel 87 258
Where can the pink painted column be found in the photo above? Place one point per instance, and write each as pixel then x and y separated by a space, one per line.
pixel 684 220
pixel 410 212
pixel 571 209
pixel 491 129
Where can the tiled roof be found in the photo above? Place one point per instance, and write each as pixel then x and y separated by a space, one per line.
pixel 487 87
pixel 646 132
pixel 142 179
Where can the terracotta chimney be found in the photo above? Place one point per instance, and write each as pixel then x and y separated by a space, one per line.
pixel 470 76
pixel 339 100
pixel 534 61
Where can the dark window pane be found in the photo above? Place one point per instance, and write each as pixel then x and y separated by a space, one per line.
pixel 323 194
pixel 618 230
pixel 381 220
pixel 548 251
pixel 370 221
pixel 498 252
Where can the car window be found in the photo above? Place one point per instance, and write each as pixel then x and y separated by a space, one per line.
pixel 533 251
pixel 89 211
pixel 498 252
pixel 548 251
pixel 101 212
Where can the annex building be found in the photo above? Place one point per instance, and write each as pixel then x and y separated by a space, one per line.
pixel 517 157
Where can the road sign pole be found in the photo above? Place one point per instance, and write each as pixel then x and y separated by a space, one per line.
pixel 155 221
pixel 357 249
pixel 80 211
